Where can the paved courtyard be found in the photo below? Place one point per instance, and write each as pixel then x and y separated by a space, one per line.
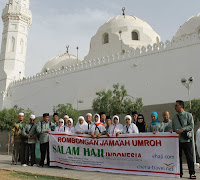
pixel 5 164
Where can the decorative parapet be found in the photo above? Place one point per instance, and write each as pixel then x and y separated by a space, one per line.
pixel 182 42
pixel 17 12
pixel 6 93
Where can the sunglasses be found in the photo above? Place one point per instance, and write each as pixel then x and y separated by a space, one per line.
pixel 60 122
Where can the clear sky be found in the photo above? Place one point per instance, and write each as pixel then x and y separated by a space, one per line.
pixel 57 23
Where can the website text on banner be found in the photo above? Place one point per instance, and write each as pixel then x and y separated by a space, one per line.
pixel 143 154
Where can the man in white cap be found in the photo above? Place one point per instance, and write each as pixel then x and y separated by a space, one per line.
pixel 17 139
pixel 89 120
pixel 66 118
pixel 30 133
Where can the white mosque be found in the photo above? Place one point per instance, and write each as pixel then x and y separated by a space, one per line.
pixel 124 50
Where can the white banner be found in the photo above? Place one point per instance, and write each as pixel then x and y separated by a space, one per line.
pixel 141 154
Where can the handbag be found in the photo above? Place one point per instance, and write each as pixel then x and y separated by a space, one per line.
pixel 187 135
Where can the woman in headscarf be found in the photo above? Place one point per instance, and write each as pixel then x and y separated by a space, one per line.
pixel 69 129
pixel 141 125
pixel 81 126
pixel 155 125
pixel 115 128
pixel 97 128
pixel 129 128
pixel 60 127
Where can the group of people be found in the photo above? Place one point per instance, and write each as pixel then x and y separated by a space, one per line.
pixel 24 136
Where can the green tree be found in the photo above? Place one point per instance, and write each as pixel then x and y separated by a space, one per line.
pixel 195 108
pixel 8 117
pixel 63 109
pixel 116 101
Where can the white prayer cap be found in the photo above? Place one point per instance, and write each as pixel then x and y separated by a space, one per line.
pixel 88 114
pixel 66 116
pixel 32 116
pixel 21 114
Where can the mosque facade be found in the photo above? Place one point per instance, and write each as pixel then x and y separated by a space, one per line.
pixel 125 50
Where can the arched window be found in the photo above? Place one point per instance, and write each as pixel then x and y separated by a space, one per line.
pixel 135 35
pixel 21 46
pixel 12 45
pixel 105 38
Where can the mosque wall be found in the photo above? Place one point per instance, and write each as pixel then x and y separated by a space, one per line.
pixel 153 73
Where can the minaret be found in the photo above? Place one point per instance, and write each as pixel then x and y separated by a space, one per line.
pixel 17 19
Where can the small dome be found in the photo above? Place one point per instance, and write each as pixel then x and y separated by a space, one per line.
pixel 60 62
pixel 191 26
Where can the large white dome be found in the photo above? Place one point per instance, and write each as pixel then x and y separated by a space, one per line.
pixel 119 34
pixel 192 25
pixel 124 21
pixel 61 61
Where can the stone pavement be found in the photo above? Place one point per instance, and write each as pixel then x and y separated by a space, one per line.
pixel 5 164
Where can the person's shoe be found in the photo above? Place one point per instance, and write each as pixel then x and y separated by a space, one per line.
pixel 24 165
pixel 192 176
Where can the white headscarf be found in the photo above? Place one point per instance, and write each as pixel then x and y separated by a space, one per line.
pixel 98 119
pixel 114 128
pixel 71 120
pixel 61 120
pixel 114 118
pixel 128 117
pixel 81 127
pixel 101 128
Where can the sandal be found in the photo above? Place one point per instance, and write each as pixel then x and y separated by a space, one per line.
pixel 193 176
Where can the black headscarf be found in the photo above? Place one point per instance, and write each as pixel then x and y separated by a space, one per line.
pixel 141 126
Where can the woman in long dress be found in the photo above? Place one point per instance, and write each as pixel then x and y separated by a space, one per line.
pixel 81 126
pixel 115 128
